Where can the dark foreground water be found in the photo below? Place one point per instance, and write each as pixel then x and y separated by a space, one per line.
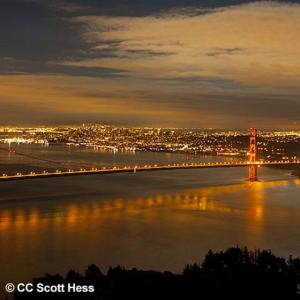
pixel 159 220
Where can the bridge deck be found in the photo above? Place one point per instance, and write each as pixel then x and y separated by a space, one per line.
pixel 127 169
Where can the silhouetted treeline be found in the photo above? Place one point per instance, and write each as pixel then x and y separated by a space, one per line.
pixel 236 273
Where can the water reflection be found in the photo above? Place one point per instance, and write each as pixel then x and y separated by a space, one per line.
pixel 218 199
pixel 162 231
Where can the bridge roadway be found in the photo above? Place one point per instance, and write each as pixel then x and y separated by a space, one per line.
pixel 127 169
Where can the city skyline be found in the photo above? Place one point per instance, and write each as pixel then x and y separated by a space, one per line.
pixel 162 64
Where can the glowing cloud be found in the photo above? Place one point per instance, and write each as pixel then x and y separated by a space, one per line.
pixel 256 44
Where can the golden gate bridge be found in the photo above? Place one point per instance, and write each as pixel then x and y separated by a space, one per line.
pixel 252 164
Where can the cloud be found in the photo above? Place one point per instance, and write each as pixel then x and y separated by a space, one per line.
pixel 209 66
pixel 56 99
pixel 30 31
pixel 256 45
pixel 62 97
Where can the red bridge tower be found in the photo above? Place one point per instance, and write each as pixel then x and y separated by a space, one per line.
pixel 253 155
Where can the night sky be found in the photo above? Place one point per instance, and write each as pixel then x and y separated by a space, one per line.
pixel 221 64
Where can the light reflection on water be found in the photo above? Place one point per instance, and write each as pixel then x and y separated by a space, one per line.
pixel 201 199
pixel 164 231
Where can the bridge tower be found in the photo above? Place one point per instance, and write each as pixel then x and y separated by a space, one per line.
pixel 253 155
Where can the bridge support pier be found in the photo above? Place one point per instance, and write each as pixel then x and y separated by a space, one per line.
pixel 252 173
